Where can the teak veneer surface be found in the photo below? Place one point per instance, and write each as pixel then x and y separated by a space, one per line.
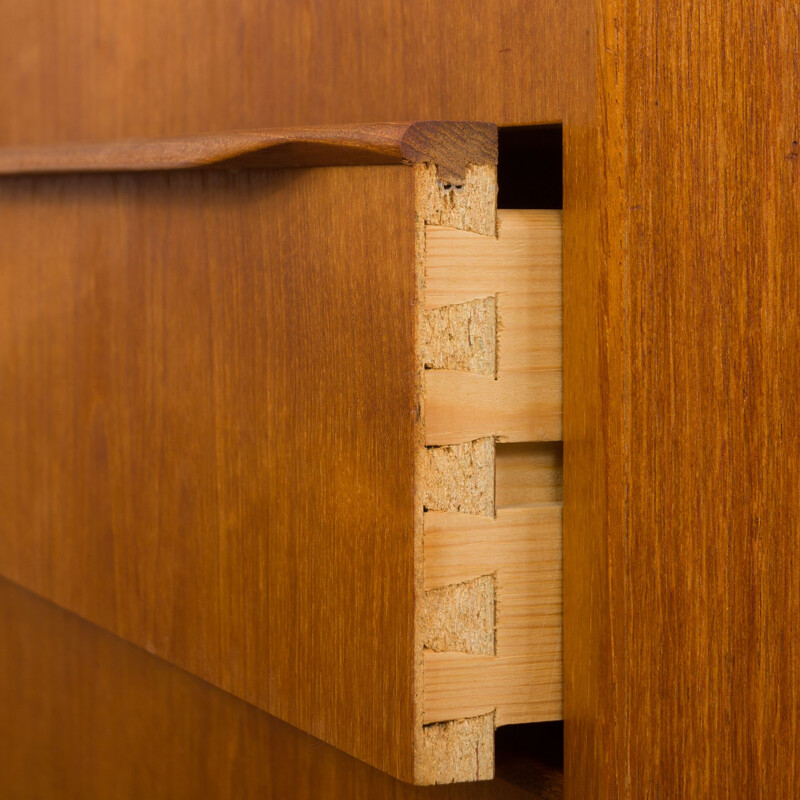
pixel 88 716
pixel 212 431
pixel 449 145
pixel 681 241
pixel 208 429
pixel 105 70
pixel 682 384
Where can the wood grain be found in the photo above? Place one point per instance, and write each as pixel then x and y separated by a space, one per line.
pixel 87 716
pixel 521 269
pixel 681 243
pixel 682 581
pixel 452 146
pixel 489 570
pixel 193 485
pixel 519 407
pixel 528 473
pixel 521 681
pixel 208 429
pixel 146 69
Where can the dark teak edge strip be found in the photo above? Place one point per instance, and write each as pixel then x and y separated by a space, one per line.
pixel 450 145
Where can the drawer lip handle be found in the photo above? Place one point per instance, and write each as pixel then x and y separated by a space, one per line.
pixel 452 146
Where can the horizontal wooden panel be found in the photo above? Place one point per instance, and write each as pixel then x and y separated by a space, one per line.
pixel 207 452
pixel 461 685
pixel 524 258
pixel 520 407
pixel 213 429
pixel 96 70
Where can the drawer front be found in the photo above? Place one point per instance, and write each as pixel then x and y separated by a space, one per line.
pixel 297 432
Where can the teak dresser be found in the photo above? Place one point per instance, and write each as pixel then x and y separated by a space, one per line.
pixel 328 473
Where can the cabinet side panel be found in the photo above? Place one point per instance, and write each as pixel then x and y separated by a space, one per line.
pixel 682 437
pixel 207 426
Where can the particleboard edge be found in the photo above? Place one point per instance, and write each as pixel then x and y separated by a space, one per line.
pixel 457 750
pixel 464 697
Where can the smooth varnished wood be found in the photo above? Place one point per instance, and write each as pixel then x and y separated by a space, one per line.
pixel 680 194
pixel 450 145
pixel 145 68
pixel 88 716
pixel 198 458
pixel 682 437
pixel 208 429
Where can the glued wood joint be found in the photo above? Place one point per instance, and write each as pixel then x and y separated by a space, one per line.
pixel 457 477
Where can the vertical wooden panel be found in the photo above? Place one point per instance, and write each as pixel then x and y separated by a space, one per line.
pixel 592 424
pixel 681 382
pixel 206 410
